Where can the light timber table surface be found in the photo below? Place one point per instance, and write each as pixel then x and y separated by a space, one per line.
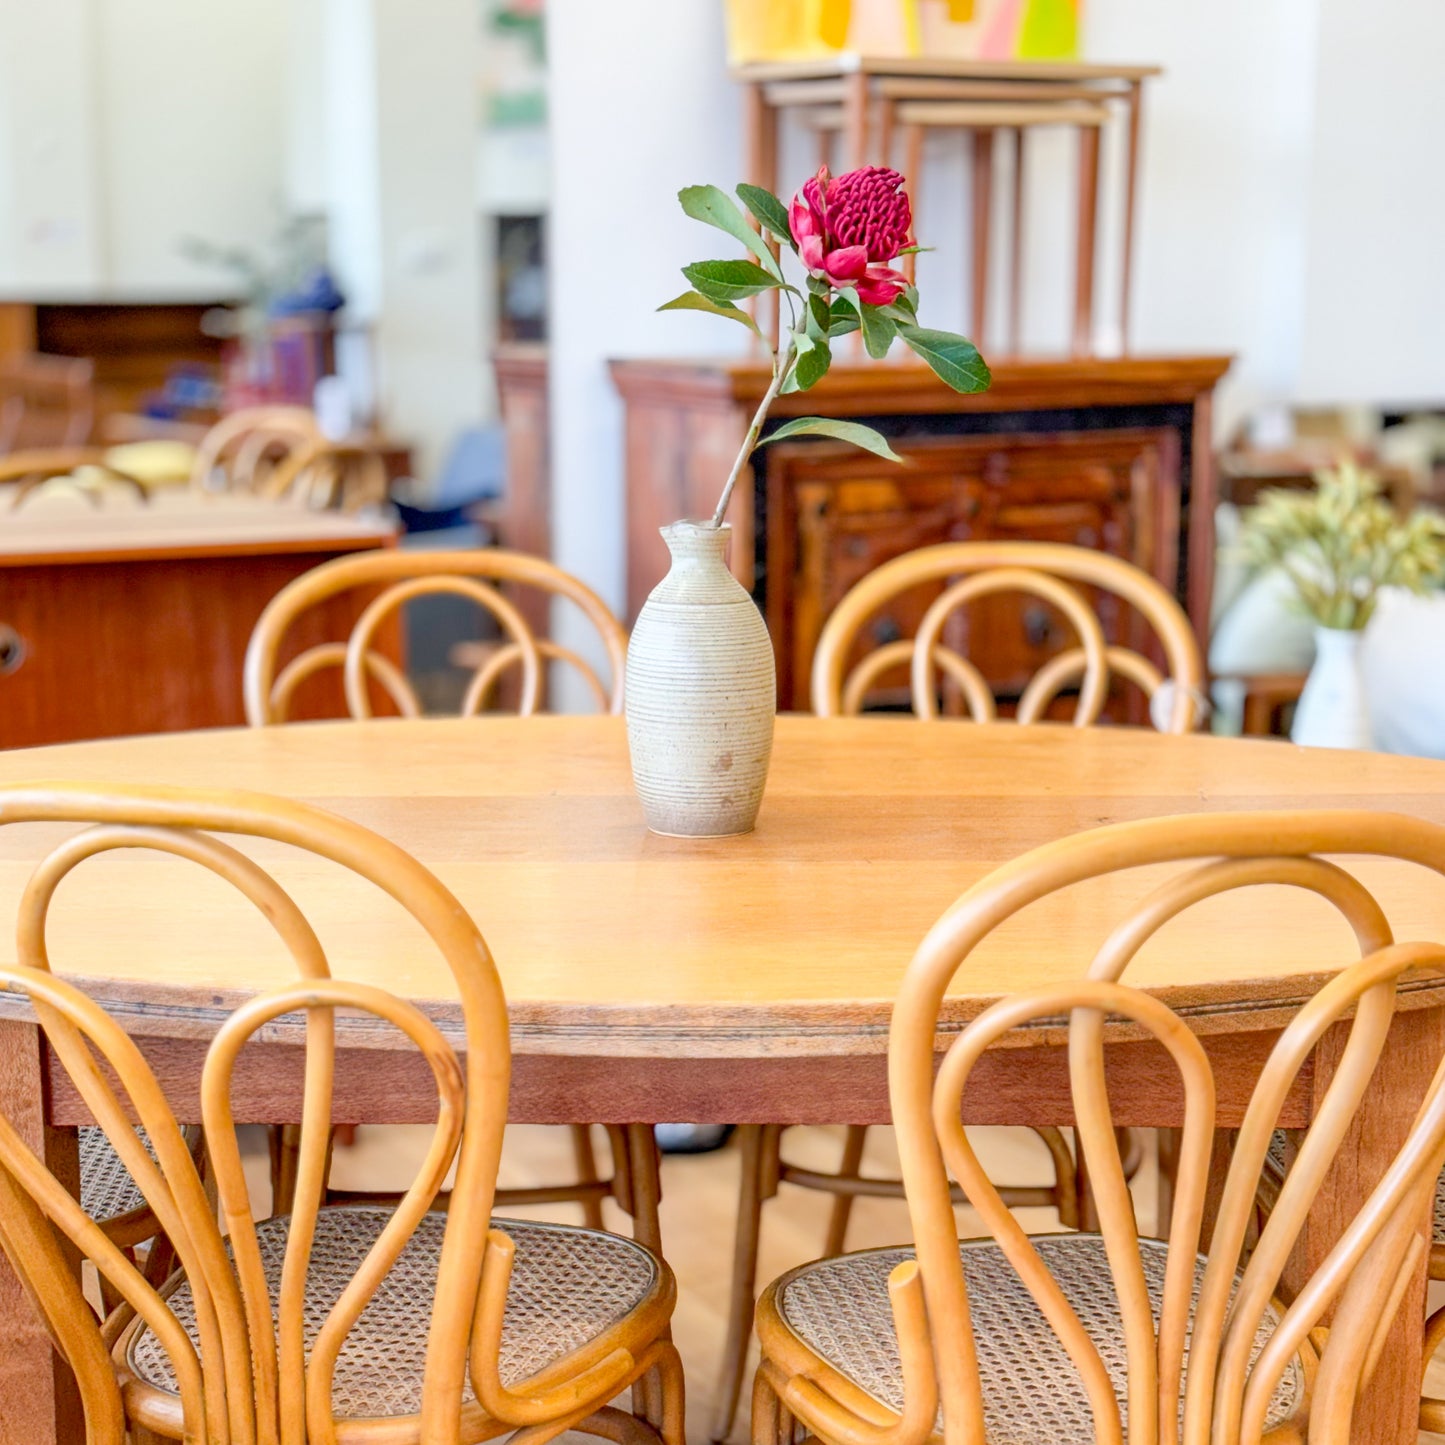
pixel 743 980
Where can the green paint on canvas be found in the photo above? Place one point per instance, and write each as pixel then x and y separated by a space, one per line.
pixel 1050 30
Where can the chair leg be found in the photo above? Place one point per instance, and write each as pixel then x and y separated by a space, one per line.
pixel 285 1160
pixel 767 1411
pixel 853 1142
pixel 757 1142
pixel 586 1159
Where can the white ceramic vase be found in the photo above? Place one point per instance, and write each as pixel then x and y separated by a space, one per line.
pixel 1333 711
pixel 701 693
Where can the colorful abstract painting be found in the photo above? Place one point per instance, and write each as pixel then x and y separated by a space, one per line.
pixel 956 29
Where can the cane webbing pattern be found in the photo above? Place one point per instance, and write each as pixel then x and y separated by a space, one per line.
pixel 106 1188
pixel 1277 1164
pixel 568 1286
pixel 839 1308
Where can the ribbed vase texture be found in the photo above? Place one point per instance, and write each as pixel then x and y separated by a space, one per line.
pixel 701 693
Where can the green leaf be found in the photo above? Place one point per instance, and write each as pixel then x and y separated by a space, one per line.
pixel 914 250
pixel 843 317
pixel 717 208
pixel 728 280
pixel 843 431
pixel 819 318
pixel 954 359
pixel 693 301
pixel 902 309
pixel 878 329
pixel 768 211
pixel 814 358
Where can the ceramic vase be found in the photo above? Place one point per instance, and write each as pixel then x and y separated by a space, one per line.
pixel 701 693
pixel 1332 711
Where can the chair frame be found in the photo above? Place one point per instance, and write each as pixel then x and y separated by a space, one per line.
pixel 402 576
pixel 983 568
pixel 407 574
pixel 33 471
pixel 243 439
pixel 248 1384
pixel 1044 569
pixel 1363 1276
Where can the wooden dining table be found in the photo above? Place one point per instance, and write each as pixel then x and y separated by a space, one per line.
pixel 729 980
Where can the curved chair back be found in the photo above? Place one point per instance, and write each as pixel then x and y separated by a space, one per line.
pixel 1234 1364
pixel 247 1379
pixel 81 473
pixel 402 575
pixel 973 570
pixel 328 476
pixel 241 450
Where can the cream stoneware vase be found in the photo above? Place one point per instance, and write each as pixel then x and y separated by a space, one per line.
pixel 701 693
pixel 1333 710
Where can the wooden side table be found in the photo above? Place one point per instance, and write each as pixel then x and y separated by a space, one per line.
pixel 869 100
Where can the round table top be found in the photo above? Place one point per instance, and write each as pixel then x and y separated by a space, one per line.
pixel 791 940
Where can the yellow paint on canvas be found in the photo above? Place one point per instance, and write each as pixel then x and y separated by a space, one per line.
pixel 831 20
pixel 1050 30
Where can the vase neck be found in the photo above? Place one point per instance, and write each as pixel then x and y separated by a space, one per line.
pixel 694 543
pixel 1337 641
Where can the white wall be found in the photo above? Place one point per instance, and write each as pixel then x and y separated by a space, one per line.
pixel 126 125
pixel 1374 328
pixel 50 238
pixel 634 120
pixel 191 100
pixel 1291 210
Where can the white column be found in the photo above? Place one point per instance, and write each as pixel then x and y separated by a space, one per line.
pixel 640 106
pixel 51 226
pixel 401 142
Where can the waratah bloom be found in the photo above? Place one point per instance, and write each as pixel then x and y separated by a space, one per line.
pixel 849 227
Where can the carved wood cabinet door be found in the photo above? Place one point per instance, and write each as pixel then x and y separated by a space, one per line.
pixel 834 514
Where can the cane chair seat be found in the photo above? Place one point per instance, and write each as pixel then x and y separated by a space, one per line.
pixel 106 1188
pixel 569 1286
pixel 1278 1162
pixel 839 1308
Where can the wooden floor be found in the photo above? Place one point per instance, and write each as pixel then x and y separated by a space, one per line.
pixel 698 1210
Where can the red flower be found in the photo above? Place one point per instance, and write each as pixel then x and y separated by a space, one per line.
pixel 848 228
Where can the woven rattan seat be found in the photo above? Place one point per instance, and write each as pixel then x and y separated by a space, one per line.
pixel 840 1309
pixel 106 1189
pixel 568 1286
pixel 1277 1156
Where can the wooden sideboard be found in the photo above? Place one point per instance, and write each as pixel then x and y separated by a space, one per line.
pixel 137 622
pixel 1111 454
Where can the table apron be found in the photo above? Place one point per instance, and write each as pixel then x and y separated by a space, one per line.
pixel 1009 1086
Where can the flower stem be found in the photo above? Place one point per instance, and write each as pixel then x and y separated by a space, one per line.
pixel 781 364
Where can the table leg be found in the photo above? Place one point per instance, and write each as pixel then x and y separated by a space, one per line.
pixel 760 131
pixel 1131 171
pixel 1016 245
pixel 982 219
pixel 855 120
pixel 39 1403
pixel 1085 240
pixel 644 1193
pixel 1389 1404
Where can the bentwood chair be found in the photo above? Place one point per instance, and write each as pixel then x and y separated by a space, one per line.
pixel 845 669
pixel 82 472
pixel 1011 1338
pixel 329 476
pixel 845 672
pixel 1276 1166
pixel 396 578
pixel 361 1324
pixel 242 450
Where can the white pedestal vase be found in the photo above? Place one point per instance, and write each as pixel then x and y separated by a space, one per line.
pixel 701 693
pixel 1333 711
